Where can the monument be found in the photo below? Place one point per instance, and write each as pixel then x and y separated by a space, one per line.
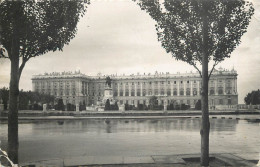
pixel 108 92
pixel 108 96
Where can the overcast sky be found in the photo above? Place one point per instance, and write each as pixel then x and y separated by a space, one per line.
pixel 117 37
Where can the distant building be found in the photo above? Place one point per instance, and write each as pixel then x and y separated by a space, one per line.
pixel 136 89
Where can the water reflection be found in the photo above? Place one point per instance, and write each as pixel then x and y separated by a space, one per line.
pixel 130 125
pixel 100 137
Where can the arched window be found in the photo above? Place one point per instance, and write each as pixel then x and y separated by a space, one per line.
pixel 181 91
pixel 175 92
pixel 133 92
pixel 162 91
pixel 168 92
pixel 188 91
pixel 211 92
pixel 220 91
pixel 195 92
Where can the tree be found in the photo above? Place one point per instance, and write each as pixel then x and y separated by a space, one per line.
pixel 197 32
pixel 107 105
pixel 4 95
pixel 153 101
pixel 198 105
pixel 116 106
pixel 30 29
pixel 253 98
pixel 60 105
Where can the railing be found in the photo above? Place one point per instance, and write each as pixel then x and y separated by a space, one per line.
pixel 237 107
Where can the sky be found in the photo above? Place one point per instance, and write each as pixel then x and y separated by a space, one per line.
pixel 116 37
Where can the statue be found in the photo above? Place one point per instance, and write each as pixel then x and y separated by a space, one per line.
pixel 108 81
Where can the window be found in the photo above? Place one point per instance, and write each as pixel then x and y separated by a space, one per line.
pixel 195 91
pixel 168 92
pixel 211 92
pixel 181 92
pixel 188 81
pixel 175 91
pixel 162 92
pixel 220 91
pixel 188 91
pixel 220 101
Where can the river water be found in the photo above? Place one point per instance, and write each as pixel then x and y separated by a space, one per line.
pixel 43 140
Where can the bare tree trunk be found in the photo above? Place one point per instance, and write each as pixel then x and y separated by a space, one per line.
pixel 13 142
pixel 205 125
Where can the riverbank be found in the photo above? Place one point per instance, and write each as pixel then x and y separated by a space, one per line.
pixel 216 159
pixel 22 113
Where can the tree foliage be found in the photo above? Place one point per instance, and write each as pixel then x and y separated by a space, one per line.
pixel 179 27
pixel 38 26
pixel 26 98
pixel 153 102
pixel 60 105
pixel 253 98
pixel 107 105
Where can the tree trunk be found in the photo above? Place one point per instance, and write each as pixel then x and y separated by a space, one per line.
pixel 205 125
pixel 13 142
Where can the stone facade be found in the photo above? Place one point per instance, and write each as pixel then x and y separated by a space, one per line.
pixel 136 89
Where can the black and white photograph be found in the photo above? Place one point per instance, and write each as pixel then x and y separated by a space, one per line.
pixel 129 83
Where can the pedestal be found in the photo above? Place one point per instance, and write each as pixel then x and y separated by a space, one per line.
pixel 44 106
pixel 122 107
pixel 165 105
pixel 77 108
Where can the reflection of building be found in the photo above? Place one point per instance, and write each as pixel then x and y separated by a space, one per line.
pixel 136 89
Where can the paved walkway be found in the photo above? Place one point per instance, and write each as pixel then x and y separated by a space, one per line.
pixel 218 159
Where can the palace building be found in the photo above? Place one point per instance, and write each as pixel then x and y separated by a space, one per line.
pixel 180 88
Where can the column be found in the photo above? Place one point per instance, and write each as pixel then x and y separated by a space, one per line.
pixel 178 88
pixel 198 88
pixel 216 88
pixel 70 88
pixel 141 93
pixel 87 88
pixel 184 88
pixel 135 89
pixel 191 88
pixel 159 88
pixel 129 90
pixel 80 87
pixel 165 88
pixel 153 88
pixel 123 89
pixel 171 88
pixel 118 89
pixel 236 85
pixel 224 87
